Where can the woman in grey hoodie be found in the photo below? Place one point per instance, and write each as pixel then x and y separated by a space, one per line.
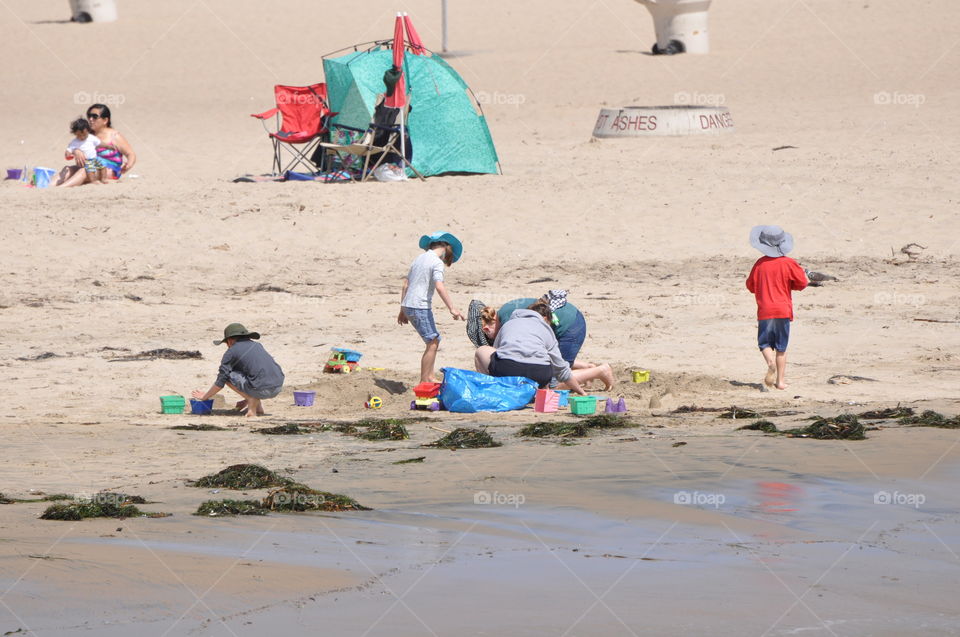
pixel 526 346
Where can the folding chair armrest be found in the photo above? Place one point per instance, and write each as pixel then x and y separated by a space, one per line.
pixel 266 114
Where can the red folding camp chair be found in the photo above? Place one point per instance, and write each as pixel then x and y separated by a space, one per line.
pixel 301 114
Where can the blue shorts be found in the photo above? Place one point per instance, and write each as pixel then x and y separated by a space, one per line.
pixel 773 333
pixel 422 321
pixel 572 340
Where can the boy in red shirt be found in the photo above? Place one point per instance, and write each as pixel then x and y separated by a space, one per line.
pixel 772 279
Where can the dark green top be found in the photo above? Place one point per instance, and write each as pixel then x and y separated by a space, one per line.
pixel 566 314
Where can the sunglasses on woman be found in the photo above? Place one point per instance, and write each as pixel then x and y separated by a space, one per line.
pixel 94 116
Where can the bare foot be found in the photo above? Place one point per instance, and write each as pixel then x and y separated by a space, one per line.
pixel 781 385
pixel 771 378
pixel 607 378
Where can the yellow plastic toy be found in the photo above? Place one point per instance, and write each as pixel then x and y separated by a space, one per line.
pixel 374 403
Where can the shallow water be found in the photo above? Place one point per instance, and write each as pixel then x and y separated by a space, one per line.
pixel 823 559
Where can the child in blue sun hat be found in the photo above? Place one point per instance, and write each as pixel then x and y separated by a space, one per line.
pixel 426 275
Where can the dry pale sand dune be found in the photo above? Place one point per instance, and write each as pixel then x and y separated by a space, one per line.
pixel 649 235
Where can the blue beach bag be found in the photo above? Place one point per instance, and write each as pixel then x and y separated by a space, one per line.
pixel 467 391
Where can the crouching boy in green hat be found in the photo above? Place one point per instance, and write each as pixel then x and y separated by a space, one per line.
pixel 247 369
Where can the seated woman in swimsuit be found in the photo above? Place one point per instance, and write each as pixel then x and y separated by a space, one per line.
pixel 114 151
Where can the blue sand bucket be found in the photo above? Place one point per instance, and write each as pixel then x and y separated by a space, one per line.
pixel 200 407
pixel 42 176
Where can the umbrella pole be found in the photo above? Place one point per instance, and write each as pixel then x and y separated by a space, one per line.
pixel 403 145
pixel 443 22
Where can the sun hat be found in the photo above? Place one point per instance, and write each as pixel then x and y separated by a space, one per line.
pixel 475 324
pixel 427 239
pixel 771 240
pixel 234 330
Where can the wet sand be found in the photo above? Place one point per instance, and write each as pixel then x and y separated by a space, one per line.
pixel 730 534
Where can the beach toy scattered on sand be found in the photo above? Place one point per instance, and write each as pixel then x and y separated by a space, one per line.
pixel 641 375
pixel 564 395
pixel 546 401
pixel 172 404
pixel 615 406
pixel 375 402
pixel 426 397
pixel 201 407
pixel 681 25
pixel 583 405
pixel 342 361
pixel 303 398
pixel 42 176
pixel 14 173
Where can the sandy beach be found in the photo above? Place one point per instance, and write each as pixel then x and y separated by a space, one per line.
pixel 624 532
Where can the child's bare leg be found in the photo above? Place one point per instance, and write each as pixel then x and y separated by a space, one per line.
pixel 582 365
pixel 254 407
pixel 428 360
pixel 781 370
pixel 768 356
pixel 601 372
pixel 481 359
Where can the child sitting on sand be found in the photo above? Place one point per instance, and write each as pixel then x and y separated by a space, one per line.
pixel 247 369
pixel 83 149
pixel 772 280
pixel 425 276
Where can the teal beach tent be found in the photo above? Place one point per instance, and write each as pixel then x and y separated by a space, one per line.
pixel 446 126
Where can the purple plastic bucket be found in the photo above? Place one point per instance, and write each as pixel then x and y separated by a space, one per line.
pixel 303 398
pixel 15 173
pixel 201 407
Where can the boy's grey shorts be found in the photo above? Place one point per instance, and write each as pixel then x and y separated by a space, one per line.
pixel 242 383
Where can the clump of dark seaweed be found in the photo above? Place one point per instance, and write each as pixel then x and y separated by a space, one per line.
pixel 242 476
pixel 288 429
pixel 572 429
pixel 102 505
pixel 930 418
pixel 736 413
pixel 220 508
pixel 465 438
pixel 842 427
pixel 410 460
pixel 300 497
pixel 203 427
pixel 576 428
pixel 761 425
pixel 5 500
pixel 888 413
pixel 46 498
pixel 384 430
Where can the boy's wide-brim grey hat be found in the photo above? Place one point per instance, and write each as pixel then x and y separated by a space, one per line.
pixel 772 241
pixel 234 330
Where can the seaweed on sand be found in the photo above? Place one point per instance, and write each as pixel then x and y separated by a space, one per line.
pixel 572 429
pixel 288 429
pixel 219 508
pixel 242 476
pixel 410 460
pixel 931 418
pixel 465 438
pixel 736 413
pixel 888 413
pixel 203 427
pixel 842 427
pixel 300 497
pixel 385 430
pixel 101 505
pixel 576 428
pixel 5 500
pixel 765 426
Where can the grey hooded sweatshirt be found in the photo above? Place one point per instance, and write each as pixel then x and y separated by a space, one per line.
pixel 527 338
